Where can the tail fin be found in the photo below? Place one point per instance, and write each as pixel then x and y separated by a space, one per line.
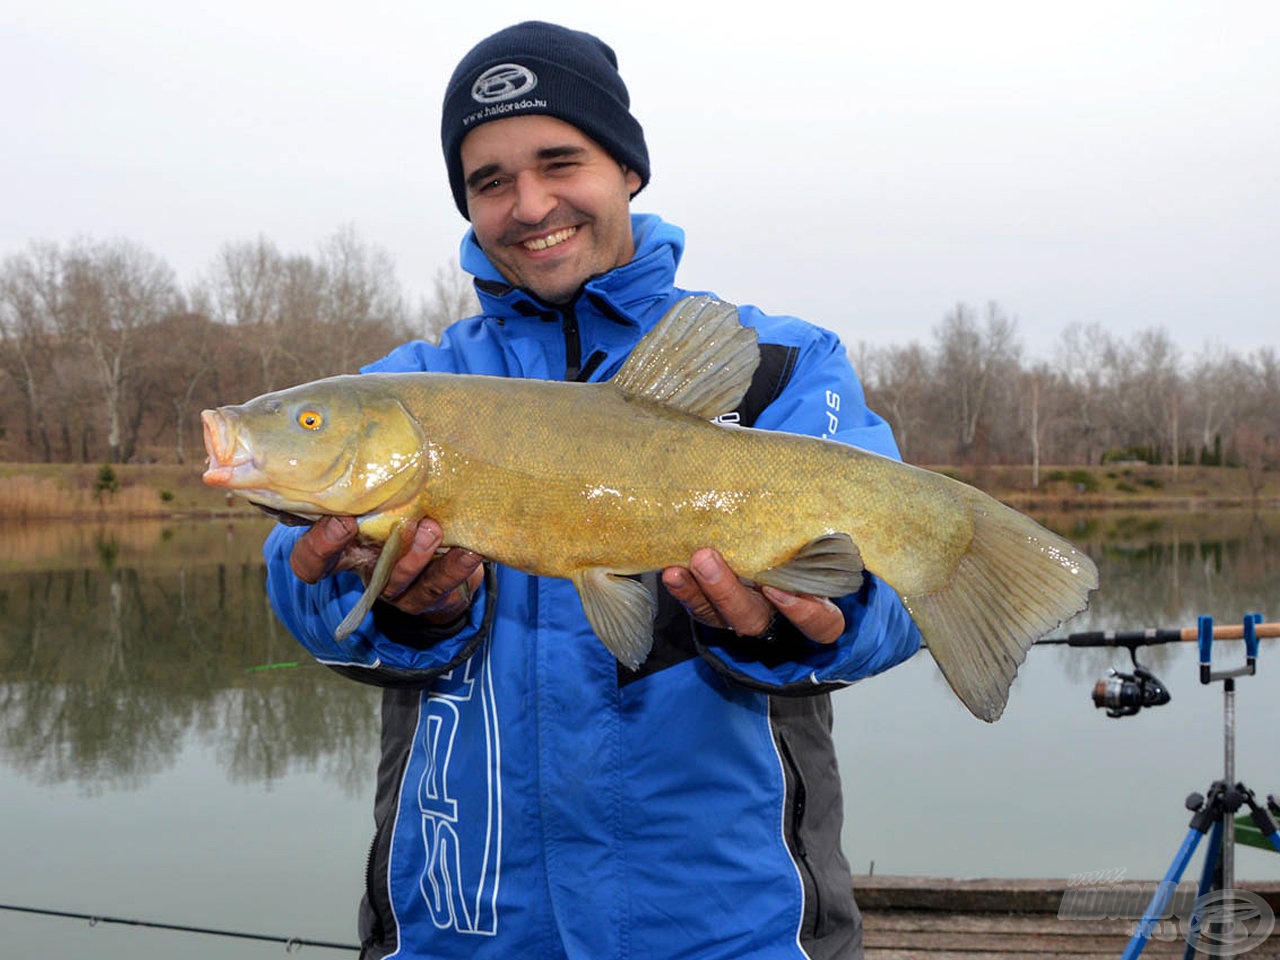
pixel 1016 582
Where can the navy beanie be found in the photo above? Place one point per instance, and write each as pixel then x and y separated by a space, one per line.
pixel 541 68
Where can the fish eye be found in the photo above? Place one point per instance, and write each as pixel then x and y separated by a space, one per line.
pixel 310 420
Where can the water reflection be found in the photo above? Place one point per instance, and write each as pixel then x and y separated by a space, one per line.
pixel 1167 569
pixel 118 644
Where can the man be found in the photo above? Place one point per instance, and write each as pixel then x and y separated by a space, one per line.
pixel 535 798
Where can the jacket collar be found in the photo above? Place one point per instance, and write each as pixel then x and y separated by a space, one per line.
pixel 627 294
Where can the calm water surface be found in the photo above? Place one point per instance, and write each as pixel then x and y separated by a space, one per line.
pixel 161 758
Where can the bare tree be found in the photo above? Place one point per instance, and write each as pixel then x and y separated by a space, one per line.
pixel 246 287
pixel 974 362
pixel 1081 360
pixel 453 296
pixel 1150 387
pixel 362 302
pixel 180 376
pixel 30 304
pixel 1048 405
pixel 1217 389
pixel 897 381
pixel 114 290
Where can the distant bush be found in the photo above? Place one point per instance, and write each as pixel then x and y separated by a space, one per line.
pixel 1083 480
pixel 107 481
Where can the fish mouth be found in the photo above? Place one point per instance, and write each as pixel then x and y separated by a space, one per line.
pixel 229 459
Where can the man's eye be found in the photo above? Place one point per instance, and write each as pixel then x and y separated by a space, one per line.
pixel 490 185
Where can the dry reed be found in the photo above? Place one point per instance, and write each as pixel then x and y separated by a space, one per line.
pixel 24 498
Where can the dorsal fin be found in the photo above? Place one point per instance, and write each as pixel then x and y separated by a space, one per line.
pixel 698 359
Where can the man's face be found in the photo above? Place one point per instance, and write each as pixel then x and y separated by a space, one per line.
pixel 549 206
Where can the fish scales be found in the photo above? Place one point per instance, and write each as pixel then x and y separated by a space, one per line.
pixel 552 477
pixel 597 481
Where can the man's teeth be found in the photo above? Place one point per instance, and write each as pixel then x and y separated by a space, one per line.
pixel 541 243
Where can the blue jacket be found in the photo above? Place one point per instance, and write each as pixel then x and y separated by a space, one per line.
pixel 535 799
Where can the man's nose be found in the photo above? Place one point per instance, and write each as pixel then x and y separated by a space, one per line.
pixel 534 199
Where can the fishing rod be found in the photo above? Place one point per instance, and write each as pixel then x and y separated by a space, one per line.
pixel 291 944
pixel 1123 638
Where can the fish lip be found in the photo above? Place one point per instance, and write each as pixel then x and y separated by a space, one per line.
pixel 228 457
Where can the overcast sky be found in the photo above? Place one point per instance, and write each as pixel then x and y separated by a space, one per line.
pixel 863 165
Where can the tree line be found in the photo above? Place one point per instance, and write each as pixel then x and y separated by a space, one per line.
pixel 969 396
pixel 105 357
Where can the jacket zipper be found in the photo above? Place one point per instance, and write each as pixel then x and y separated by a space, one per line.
pixel 377 927
pixel 572 343
pixel 798 798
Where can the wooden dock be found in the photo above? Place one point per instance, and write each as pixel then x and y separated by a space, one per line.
pixel 992 919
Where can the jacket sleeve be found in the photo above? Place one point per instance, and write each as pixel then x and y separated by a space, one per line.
pixel 823 398
pixel 386 649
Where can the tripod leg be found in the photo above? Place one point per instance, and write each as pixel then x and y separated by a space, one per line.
pixel 1164 893
pixel 1209 876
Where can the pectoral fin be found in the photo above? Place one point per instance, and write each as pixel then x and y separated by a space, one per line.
pixel 620 611
pixel 391 551
pixel 829 566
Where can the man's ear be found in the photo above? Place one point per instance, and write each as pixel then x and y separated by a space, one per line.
pixel 633 181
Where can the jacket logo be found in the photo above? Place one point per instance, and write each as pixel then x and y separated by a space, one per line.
pixel 462 820
pixel 506 81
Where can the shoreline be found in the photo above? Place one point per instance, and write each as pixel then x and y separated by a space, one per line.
pixel 88 492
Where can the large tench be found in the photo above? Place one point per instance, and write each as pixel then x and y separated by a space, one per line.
pixel 597 481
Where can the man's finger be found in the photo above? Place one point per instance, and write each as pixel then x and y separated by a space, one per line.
pixel 816 617
pixel 744 610
pixel 445 588
pixel 681 585
pixel 316 552
pixel 424 540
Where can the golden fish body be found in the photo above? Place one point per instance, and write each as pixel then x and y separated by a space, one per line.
pixel 554 478
pixel 596 481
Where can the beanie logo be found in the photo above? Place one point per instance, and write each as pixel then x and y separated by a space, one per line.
pixel 506 81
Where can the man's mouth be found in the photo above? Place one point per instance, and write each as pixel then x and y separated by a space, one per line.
pixel 550 240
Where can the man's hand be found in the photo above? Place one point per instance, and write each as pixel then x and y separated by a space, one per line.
pixel 713 594
pixel 437 587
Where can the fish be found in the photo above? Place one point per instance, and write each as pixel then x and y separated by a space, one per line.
pixel 599 482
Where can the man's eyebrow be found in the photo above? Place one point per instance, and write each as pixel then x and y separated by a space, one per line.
pixel 555 153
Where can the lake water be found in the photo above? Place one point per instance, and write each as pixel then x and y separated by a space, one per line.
pixel 167 753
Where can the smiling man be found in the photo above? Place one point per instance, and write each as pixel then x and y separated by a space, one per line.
pixel 535 798
pixel 547 204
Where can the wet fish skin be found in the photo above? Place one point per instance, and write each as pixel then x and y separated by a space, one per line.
pixel 596 481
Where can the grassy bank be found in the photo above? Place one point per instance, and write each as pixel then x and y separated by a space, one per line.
pixel 59 491
pixel 1125 486
pixel 85 491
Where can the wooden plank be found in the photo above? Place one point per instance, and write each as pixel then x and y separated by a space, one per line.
pixel 994 894
pixel 906 918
